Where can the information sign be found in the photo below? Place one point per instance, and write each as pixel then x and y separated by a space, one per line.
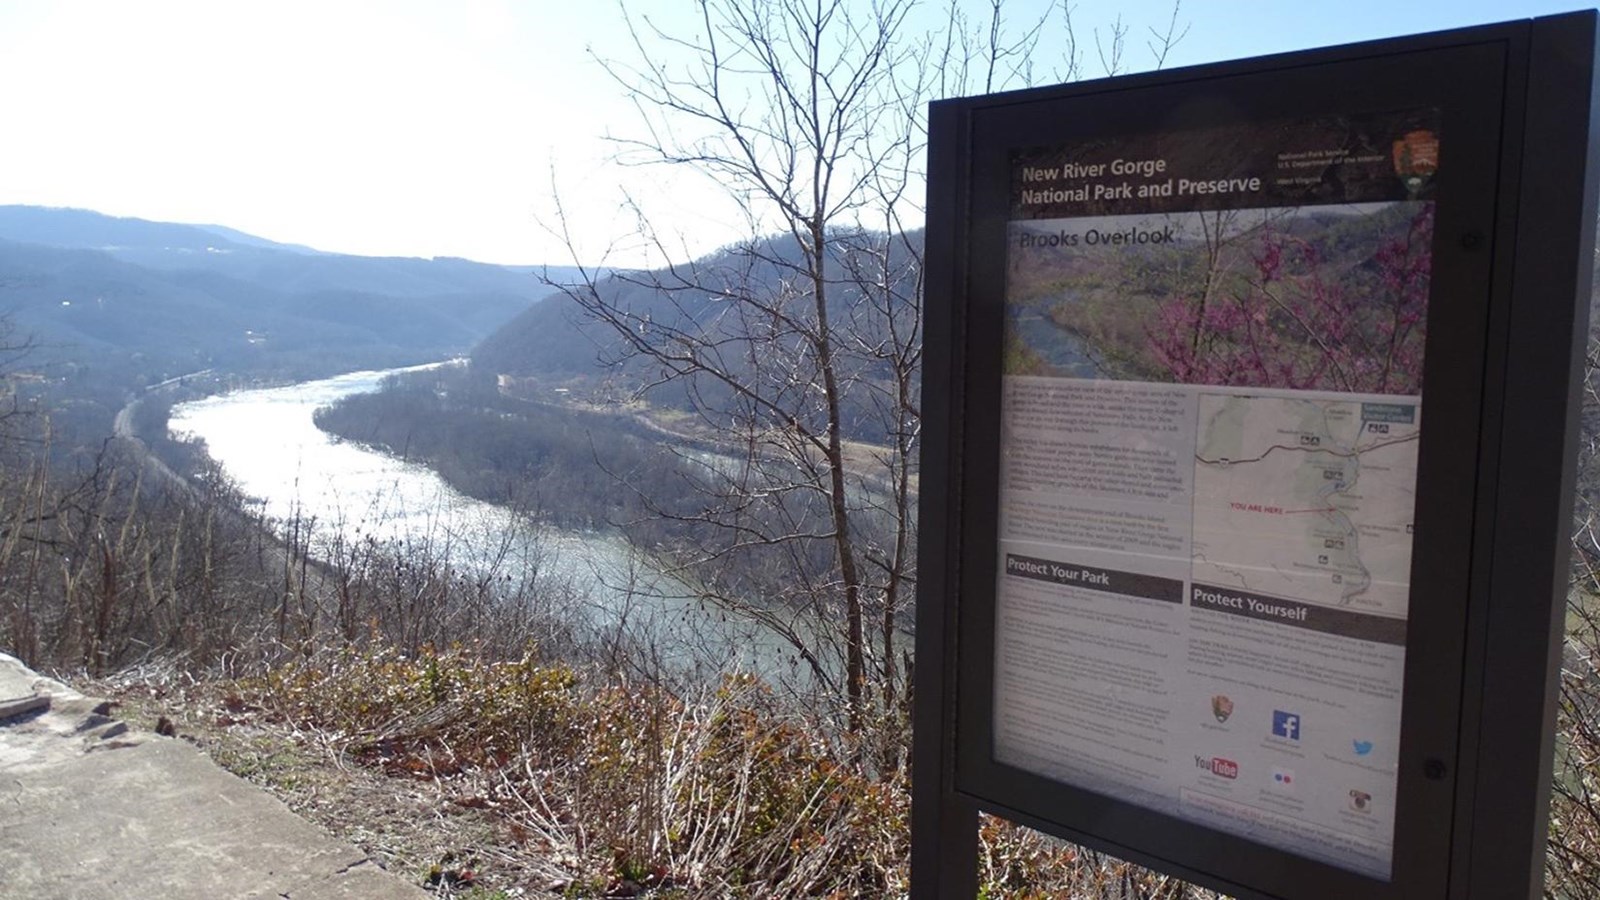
pixel 1249 416
pixel 1211 405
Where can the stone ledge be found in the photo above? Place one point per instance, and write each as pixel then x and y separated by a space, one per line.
pixel 90 808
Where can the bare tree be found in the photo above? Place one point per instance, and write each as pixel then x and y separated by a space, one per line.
pixel 799 349
pixel 15 348
pixel 783 103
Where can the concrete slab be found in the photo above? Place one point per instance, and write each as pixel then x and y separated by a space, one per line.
pixel 21 691
pixel 92 809
pixel 17 680
pixel 17 706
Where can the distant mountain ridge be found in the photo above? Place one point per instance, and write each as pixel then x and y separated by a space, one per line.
pixel 83 285
pixel 85 229
pixel 174 245
pixel 250 240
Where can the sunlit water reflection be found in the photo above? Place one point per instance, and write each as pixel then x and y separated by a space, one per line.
pixel 267 442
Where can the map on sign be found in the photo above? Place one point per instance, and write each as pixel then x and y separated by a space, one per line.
pixel 1307 499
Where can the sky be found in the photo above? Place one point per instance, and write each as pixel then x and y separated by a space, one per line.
pixel 453 128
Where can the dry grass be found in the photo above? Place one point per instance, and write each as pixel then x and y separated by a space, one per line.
pixel 540 780
pixel 410 826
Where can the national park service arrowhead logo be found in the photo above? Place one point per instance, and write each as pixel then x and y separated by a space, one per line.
pixel 1221 707
pixel 1416 159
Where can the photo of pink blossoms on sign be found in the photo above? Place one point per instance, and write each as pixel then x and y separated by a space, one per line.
pixel 1326 298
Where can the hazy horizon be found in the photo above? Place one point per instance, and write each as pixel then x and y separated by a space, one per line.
pixel 427 130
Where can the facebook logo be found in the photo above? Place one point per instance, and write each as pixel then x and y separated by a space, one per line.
pixel 1286 724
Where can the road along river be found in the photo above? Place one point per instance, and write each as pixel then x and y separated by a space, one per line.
pixel 266 441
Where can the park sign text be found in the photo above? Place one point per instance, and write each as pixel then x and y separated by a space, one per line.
pixel 1250 415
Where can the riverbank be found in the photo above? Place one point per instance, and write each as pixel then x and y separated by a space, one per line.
pixel 866 462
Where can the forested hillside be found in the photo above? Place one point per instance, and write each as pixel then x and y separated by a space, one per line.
pixel 168 298
pixel 702 311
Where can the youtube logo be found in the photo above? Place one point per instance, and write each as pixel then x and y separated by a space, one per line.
pixel 1225 768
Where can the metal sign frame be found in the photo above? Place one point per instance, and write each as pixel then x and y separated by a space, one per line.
pixel 1507 325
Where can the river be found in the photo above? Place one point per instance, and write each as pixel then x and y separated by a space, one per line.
pixel 1062 349
pixel 267 442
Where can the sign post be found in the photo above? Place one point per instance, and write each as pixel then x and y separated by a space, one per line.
pixel 1250 416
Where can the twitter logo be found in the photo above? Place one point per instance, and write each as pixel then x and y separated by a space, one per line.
pixel 1362 747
